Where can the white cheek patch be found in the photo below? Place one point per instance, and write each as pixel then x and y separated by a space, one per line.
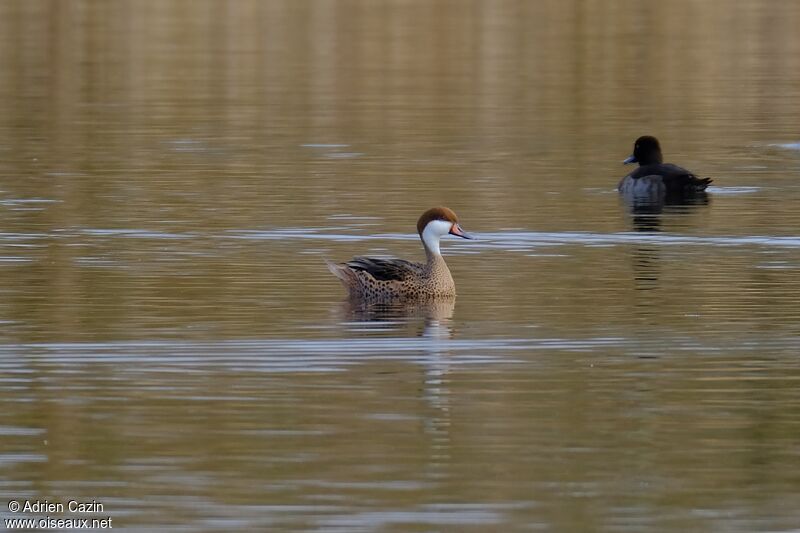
pixel 433 232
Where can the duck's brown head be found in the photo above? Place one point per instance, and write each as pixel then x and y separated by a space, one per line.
pixel 436 213
pixel 437 222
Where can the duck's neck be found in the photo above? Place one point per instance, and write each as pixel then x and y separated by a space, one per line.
pixel 434 257
pixel 437 274
pixel 430 240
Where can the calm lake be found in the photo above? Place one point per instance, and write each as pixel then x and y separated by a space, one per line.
pixel 174 173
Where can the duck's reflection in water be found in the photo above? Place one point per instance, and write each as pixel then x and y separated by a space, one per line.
pixel 426 326
pixel 646 218
pixel 426 318
pixel 649 213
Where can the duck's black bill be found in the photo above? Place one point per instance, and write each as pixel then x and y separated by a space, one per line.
pixel 631 159
pixel 459 232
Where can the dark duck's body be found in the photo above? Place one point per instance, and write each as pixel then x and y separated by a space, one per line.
pixel 657 179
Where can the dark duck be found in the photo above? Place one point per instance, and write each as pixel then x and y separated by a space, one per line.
pixel 656 179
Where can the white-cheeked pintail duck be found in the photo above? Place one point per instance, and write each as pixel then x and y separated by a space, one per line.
pixel 386 279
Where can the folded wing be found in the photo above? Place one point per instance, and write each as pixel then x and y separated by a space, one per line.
pixel 385 269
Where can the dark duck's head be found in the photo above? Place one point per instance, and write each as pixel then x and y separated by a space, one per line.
pixel 646 151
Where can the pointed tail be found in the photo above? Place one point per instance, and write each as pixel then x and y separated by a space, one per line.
pixel 342 272
pixel 700 184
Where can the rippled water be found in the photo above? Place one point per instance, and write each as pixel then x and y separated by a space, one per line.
pixel 173 175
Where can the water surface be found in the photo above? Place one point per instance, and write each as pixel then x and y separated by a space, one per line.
pixel 173 175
